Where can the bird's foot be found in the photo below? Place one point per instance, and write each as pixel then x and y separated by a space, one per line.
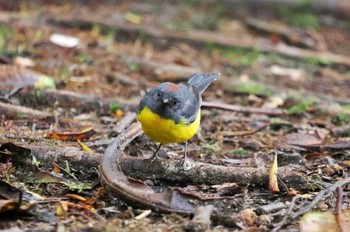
pixel 182 162
pixel 152 159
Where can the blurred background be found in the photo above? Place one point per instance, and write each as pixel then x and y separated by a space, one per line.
pixel 169 40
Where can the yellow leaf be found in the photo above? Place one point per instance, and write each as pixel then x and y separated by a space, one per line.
pixel 119 113
pixel 318 222
pixel 132 18
pixel 61 209
pixel 86 129
pixel 273 181
pixel 84 147
pixel 45 82
pixel 346 162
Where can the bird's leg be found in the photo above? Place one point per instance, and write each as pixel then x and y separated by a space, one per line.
pixel 183 160
pixel 154 156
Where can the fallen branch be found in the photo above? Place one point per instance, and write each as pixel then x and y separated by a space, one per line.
pixel 124 122
pixel 196 172
pixel 243 109
pixel 203 37
pixel 338 7
pixel 324 102
pixel 297 36
pixel 56 154
pixel 68 99
pixel 87 103
pixel 15 112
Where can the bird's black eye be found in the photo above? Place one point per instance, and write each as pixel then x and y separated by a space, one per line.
pixel 174 102
pixel 158 94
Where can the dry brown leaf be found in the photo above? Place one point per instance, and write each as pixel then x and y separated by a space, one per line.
pixel 76 197
pixel 303 139
pixel 249 216
pixel 71 136
pixel 56 168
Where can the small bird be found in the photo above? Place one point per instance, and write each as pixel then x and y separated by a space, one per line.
pixel 170 113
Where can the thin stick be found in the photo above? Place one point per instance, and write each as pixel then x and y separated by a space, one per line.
pixel 319 197
pixel 340 199
pixel 312 204
pixel 286 216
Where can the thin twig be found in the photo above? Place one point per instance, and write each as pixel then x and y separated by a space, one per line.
pixel 282 182
pixel 286 216
pixel 245 133
pixel 340 199
pixel 6 97
pixel 125 122
pixel 324 193
pixel 319 196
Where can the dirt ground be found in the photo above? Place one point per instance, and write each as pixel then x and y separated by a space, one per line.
pixel 272 151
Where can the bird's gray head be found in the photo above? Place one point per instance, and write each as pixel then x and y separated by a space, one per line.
pixel 165 99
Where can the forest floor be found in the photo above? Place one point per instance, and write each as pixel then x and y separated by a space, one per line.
pixel 73 74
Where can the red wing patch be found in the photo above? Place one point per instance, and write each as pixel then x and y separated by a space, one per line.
pixel 173 87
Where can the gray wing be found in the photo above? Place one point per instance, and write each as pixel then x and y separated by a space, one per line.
pixel 191 103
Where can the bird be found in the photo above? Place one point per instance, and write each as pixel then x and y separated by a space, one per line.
pixel 170 113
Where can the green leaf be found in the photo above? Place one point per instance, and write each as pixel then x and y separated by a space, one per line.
pixel 5 33
pixel 341 119
pixel 240 152
pixel 45 82
pixel 134 67
pixel 303 106
pixel 280 120
pixel 254 88
pixel 113 107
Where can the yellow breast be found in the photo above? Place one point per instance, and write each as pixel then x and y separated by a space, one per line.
pixel 164 130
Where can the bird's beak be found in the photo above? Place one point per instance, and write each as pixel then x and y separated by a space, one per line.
pixel 165 101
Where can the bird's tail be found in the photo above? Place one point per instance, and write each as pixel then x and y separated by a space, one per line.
pixel 201 81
